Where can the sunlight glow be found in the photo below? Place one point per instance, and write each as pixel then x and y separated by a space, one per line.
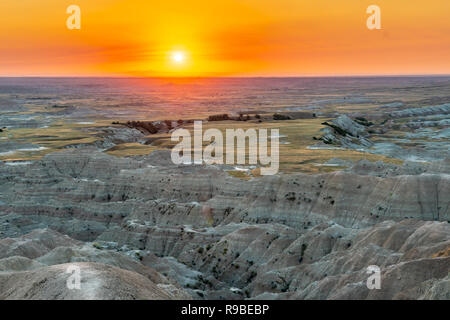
pixel 178 57
pixel 253 38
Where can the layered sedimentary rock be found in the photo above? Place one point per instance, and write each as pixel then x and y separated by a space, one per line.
pixel 346 132
pixel 411 134
pixel 38 266
pixel 196 227
pixel 443 109
pixel 100 281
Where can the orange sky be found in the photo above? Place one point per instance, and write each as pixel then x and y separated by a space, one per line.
pixel 224 38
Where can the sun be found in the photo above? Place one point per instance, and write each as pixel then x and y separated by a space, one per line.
pixel 178 56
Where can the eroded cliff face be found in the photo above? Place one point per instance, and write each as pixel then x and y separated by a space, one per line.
pixel 214 236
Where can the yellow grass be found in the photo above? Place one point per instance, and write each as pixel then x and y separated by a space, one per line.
pixel 130 149
pixel 294 156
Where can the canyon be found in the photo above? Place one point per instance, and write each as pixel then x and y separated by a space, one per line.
pixel 196 232
pixel 87 183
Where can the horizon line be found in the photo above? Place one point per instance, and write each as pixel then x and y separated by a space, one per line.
pixel 230 77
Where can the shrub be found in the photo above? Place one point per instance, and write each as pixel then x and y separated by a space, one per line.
pixel 278 116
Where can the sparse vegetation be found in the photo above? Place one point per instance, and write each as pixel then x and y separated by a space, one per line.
pixel 97 245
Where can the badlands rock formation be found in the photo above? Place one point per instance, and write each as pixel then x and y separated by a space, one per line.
pixel 343 131
pixel 144 228
pixel 37 266
pixel 424 133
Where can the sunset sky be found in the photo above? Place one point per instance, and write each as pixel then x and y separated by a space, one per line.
pixel 223 38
